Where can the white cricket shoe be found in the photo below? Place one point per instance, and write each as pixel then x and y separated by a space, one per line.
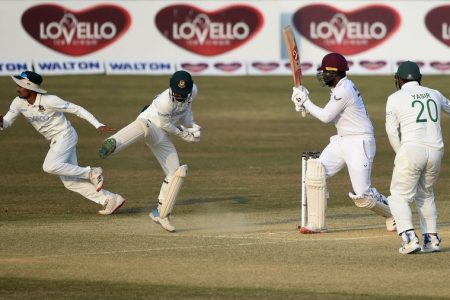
pixel 96 177
pixel 112 204
pixel 431 243
pixel 410 243
pixel 390 224
pixel 164 222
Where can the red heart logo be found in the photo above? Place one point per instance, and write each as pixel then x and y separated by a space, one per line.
pixel 194 68
pixel 209 33
pixel 76 33
pixel 441 66
pixel 266 67
pixel 437 21
pixel 346 32
pixel 372 65
pixel 228 67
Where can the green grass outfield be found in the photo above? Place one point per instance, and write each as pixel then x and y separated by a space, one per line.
pixel 237 214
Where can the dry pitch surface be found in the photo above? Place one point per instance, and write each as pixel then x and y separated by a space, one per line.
pixel 237 215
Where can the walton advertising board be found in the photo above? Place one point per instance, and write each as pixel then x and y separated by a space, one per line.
pixel 220 37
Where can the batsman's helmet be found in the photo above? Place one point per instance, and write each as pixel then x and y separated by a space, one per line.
pixel 333 62
pixel 333 66
pixel 181 83
pixel 408 71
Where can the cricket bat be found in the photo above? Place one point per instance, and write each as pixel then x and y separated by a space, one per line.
pixel 294 58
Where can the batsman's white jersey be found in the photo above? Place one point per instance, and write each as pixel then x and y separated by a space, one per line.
pixel 46 115
pixel 413 116
pixel 354 145
pixel 346 109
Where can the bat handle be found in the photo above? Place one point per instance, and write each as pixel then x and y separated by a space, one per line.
pixel 303 111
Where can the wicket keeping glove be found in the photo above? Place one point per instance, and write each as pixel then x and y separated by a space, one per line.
pixel 191 135
pixel 299 97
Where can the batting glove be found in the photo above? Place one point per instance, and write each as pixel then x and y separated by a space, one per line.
pixel 299 97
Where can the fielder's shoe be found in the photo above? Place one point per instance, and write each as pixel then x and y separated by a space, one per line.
pixel 164 222
pixel 96 177
pixel 390 224
pixel 112 204
pixel 108 147
pixel 410 243
pixel 431 243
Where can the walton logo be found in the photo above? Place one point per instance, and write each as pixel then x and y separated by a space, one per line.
pixel 209 33
pixel 438 23
pixel 346 32
pixel 76 33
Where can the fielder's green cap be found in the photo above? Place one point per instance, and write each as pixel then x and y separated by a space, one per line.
pixel 408 70
pixel 181 83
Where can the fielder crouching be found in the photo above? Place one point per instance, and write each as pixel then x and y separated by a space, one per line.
pixel 169 113
pixel 353 146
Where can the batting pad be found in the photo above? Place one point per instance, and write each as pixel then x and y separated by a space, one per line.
pixel 130 134
pixel 316 195
pixel 374 201
pixel 173 188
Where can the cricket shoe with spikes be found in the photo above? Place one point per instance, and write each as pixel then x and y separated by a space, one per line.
pixel 312 230
pixel 431 243
pixel 410 243
pixel 164 222
pixel 107 148
pixel 112 204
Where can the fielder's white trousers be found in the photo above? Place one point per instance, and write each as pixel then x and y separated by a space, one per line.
pixel 61 160
pixel 416 169
pixel 164 151
pixel 354 151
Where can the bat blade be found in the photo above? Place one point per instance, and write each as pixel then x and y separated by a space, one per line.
pixel 293 54
pixel 294 58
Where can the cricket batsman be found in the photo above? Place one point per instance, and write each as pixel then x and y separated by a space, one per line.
pixel 353 146
pixel 170 113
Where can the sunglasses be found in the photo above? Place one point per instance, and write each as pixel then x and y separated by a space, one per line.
pixel 24 75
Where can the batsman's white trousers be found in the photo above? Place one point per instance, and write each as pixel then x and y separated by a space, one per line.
pixel 61 160
pixel 416 169
pixel 354 151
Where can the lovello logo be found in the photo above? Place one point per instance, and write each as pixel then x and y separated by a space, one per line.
pixel 441 66
pixel 372 65
pixel 346 32
pixel 209 33
pixel 303 66
pixel 228 67
pixel 76 33
pixel 194 68
pixel 438 23
pixel 265 67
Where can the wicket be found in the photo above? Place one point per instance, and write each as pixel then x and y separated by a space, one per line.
pixel 304 201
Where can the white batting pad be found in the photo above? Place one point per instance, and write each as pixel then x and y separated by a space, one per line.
pixel 374 201
pixel 316 191
pixel 130 134
pixel 172 189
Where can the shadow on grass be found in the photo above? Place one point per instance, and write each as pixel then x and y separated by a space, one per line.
pixel 25 288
